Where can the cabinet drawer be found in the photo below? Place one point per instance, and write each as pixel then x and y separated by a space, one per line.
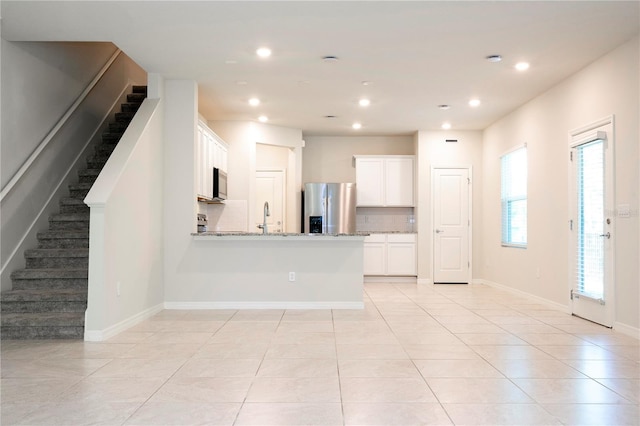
pixel 375 238
pixel 401 238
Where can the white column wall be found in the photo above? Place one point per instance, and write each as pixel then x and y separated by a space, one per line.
pixel 180 205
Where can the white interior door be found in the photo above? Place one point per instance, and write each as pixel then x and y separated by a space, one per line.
pixel 591 225
pixel 270 188
pixel 451 226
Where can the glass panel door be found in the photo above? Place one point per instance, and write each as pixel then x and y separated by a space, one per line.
pixel 590 219
pixel 592 227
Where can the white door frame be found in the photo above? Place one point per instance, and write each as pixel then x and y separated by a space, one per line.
pixel 578 137
pixel 432 225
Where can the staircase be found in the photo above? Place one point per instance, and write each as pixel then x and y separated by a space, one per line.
pixel 49 296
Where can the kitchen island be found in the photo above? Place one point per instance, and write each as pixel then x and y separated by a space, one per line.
pixel 234 270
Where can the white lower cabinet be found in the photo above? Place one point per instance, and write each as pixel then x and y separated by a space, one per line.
pixel 390 254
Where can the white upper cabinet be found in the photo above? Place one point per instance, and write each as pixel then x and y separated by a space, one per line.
pixel 369 181
pixel 211 151
pixel 385 181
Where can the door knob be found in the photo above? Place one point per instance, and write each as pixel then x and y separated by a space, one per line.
pixel 438 231
pixel 607 235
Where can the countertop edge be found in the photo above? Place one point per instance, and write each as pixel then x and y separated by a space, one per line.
pixel 276 237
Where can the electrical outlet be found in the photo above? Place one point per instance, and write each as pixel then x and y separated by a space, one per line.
pixel 292 276
pixel 118 288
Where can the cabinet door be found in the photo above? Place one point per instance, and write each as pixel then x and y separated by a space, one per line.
pixel 201 162
pixel 374 259
pixel 369 181
pixel 401 258
pixel 398 184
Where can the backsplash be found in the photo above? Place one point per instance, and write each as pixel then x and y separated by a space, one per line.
pixel 230 216
pixel 385 219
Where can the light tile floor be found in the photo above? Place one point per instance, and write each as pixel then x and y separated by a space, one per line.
pixel 444 354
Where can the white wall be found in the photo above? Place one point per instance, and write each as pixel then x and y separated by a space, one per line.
pixel 433 151
pixel 330 158
pixel 242 137
pixel 126 233
pixel 41 80
pixel 608 86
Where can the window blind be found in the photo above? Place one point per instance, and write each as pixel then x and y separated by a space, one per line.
pixel 514 197
pixel 590 218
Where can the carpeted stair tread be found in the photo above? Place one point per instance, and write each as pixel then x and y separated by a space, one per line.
pixel 63 234
pixel 79 252
pixel 136 97
pixel 69 217
pixel 72 295
pixel 43 319
pixel 53 273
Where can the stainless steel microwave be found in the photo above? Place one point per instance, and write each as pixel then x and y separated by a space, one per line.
pixel 219 184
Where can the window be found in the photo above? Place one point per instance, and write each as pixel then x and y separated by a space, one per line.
pixel 514 198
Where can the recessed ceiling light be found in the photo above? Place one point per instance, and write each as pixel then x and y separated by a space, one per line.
pixel 254 101
pixel 367 83
pixel 522 66
pixel 263 118
pixel 364 102
pixel 356 126
pixel 330 116
pixel 444 106
pixel 474 103
pixel 494 58
pixel 446 126
pixel 263 52
pixel 330 58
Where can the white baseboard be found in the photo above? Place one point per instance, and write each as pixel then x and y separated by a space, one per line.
pixel 100 335
pixel 538 299
pixel 388 279
pixel 425 281
pixel 627 330
pixel 264 305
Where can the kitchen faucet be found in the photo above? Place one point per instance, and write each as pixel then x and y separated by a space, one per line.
pixel 263 225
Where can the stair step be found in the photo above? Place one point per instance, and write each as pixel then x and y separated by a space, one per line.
pixel 73 205
pixel 130 107
pixel 107 147
pixel 43 325
pixel 124 116
pixel 88 175
pixel 60 295
pixel 33 279
pixel 43 300
pixel 136 97
pixel 117 127
pixel 63 239
pixel 69 221
pixel 76 258
pixel 139 89
pixel 79 190
pixel 111 137
pixel 96 163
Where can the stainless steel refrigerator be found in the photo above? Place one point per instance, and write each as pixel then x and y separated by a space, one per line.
pixel 329 208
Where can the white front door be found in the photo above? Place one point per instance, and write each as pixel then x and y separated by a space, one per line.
pixel 270 188
pixel 451 226
pixel 591 224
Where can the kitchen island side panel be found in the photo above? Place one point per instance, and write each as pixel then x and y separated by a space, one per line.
pixel 254 273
